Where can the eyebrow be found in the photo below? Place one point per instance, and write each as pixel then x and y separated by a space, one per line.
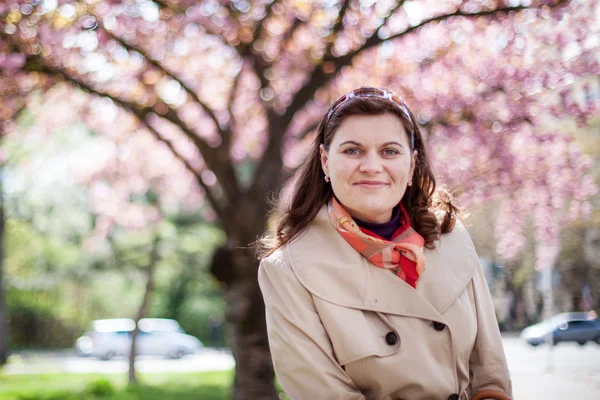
pixel 358 144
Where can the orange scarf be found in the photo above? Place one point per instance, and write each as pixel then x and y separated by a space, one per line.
pixel 403 255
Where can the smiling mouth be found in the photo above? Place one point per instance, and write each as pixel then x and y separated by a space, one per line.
pixel 371 184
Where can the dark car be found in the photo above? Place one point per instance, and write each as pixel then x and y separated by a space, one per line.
pixel 567 327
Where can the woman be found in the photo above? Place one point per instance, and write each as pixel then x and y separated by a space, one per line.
pixel 372 290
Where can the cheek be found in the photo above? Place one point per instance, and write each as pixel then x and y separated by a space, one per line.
pixel 400 173
pixel 340 168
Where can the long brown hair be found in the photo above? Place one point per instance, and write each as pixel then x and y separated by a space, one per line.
pixel 431 212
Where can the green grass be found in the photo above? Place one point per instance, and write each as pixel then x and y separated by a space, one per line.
pixel 185 386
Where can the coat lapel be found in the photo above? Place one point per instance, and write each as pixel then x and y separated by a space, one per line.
pixel 331 269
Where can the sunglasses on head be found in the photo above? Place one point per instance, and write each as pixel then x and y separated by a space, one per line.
pixel 372 92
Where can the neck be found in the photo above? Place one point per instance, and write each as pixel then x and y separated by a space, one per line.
pixel 385 230
pixel 378 219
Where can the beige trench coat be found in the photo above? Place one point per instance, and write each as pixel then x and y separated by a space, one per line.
pixel 341 328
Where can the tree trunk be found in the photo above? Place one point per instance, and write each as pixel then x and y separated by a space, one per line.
pixel 143 308
pixel 254 374
pixel 3 323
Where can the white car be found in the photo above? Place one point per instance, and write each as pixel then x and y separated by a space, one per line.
pixel 110 338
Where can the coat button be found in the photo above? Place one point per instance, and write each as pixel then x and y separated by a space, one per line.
pixel 453 397
pixel 438 326
pixel 391 338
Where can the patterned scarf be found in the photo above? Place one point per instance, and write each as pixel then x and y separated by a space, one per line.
pixel 403 255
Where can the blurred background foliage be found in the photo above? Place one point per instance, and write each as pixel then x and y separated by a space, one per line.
pixel 55 287
pixel 515 282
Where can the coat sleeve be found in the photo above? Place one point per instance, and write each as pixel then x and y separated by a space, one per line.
pixel 488 368
pixel 302 352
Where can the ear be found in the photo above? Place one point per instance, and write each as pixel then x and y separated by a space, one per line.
pixel 324 158
pixel 413 164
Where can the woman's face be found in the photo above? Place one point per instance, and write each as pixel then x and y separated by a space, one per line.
pixel 370 164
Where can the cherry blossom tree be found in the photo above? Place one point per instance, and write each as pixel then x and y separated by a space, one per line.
pixel 230 93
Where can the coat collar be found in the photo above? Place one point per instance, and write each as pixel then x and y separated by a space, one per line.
pixel 331 269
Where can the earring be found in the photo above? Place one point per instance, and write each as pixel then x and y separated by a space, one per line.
pixel 327 178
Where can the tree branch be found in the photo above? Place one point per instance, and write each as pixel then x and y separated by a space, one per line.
pixel 234 87
pixel 159 66
pixel 210 29
pixel 164 4
pixel 214 203
pixel 260 66
pixel 289 34
pixel 268 173
pixel 272 158
pixel 142 115
pixel 375 40
pixel 337 27
pixel 261 24
pixel 319 78
pixel 15 116
pixel 309 130
pixel 398 5
pixel 258 63
pixel 212 157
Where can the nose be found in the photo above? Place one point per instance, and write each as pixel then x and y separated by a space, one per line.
pixel 370 164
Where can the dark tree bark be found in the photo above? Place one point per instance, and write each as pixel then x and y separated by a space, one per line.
pixel 150 269
pixel 249 344
pixel 235 265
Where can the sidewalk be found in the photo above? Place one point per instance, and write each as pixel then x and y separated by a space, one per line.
pixel 53 362
pixel 575 370
pixel 555 386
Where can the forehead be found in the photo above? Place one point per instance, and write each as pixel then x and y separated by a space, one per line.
pixel 371 129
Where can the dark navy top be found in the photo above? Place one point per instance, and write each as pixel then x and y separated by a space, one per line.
pixel 386 229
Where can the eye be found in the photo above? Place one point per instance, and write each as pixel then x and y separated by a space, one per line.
pixel 390 152
pixel 352 151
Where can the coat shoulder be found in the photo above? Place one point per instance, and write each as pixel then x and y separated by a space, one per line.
pixel 459 236
pixel 275 259
pixel 456 253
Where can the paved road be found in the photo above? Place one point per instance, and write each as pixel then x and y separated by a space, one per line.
pixel 576 372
